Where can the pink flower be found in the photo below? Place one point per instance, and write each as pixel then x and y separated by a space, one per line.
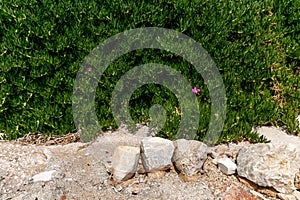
pixel 89 69
pixel 195 90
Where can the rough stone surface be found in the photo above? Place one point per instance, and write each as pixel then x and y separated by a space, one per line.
pixel 144 131
pixel 278 136
pixel 189 156
pixel 227 166
pixel 156 153
pixel 125 161
pixel 269 166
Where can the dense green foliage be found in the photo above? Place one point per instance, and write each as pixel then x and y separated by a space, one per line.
pixel 255 45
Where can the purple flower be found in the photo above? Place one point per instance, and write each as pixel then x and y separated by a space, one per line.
pixel 195 90
pixel 89 69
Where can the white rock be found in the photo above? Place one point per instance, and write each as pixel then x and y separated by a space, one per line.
pixel 44 176
pixel 269 165
pixel 227 166
pixel 125 161
pixel 189 156
pixel 156 153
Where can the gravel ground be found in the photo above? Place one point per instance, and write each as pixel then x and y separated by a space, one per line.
pixel 82 172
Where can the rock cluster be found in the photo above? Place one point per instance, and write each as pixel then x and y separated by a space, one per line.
pixel 274 166
pixel 119 165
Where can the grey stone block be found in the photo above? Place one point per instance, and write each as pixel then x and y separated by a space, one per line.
pixel 156 153
pixel 125 161
pixel 189 156
pixel 227 166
